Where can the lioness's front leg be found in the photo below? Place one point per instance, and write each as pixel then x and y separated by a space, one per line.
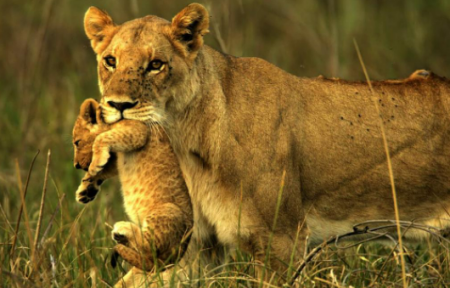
pixel 124 136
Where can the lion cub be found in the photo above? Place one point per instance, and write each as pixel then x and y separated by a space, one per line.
pixel 155 195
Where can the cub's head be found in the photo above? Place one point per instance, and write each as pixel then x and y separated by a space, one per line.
pixel 146 65
pixel 84 132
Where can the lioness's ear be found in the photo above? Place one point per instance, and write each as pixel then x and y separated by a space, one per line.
pixel 88 111
pixel 188 28
pixel 99 28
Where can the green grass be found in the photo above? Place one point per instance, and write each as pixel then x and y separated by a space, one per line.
pixel 48 68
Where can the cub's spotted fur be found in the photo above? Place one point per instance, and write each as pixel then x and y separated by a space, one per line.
pixel 155 194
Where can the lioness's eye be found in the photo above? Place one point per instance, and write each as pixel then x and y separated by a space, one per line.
pixel 110 61
pixel 76 143
pixel 155 65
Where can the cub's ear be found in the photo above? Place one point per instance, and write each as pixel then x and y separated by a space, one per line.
pixel 88 111
pixel 188 28
pixel 98 115
pixel 99 28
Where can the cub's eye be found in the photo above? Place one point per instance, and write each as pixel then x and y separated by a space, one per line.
pixel 110 61
pixel 155 66
pixel 76 143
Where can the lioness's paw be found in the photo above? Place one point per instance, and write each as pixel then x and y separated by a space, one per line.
pixel 126 233
pixel 99 159
pixel 86 192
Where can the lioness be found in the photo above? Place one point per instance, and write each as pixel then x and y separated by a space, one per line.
pixel 154 192
pixel 246 132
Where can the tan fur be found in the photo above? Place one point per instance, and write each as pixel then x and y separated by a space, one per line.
pixel 154 192
pixel 238 125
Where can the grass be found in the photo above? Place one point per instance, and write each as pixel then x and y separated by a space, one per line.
pixel 48 68
pixel 389 166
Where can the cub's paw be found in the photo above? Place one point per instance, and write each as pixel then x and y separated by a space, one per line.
pixel 99 159
pixel 87 190
pixel 127 233
pixel 133 257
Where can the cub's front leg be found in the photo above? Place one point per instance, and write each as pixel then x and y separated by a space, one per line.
pixel 124 136
pixel 90 185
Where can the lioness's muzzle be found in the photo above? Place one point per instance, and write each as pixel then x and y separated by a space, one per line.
pixel 121 106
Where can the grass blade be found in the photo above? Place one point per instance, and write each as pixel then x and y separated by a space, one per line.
pixel 22 207
pixel 41 210
pixel 389 164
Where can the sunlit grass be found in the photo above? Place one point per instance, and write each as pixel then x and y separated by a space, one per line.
pixel 48 68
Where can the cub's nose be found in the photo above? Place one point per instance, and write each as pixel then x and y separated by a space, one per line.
pixel 122 105
pixel 78 166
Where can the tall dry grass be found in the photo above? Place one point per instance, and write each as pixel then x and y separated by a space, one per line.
pixel 48 68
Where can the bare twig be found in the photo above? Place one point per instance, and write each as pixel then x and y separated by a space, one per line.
pixel 365 230
pixel 22 207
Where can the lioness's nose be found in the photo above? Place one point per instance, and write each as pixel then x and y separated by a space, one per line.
pixel 77 166
pixel 122 105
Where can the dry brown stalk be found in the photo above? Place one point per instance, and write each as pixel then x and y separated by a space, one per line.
pixel 41 210
pixel 22 206
pixel 50 223
pixel 389 164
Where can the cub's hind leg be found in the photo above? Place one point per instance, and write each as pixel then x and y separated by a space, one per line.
pixel 129 234
pixel 204 252
pixel 131 245
pixel 164 237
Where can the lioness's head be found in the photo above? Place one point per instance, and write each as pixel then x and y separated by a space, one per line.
pixel 146 64
pixel 85 130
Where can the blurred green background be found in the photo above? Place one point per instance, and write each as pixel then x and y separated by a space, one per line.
pixel 47 68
